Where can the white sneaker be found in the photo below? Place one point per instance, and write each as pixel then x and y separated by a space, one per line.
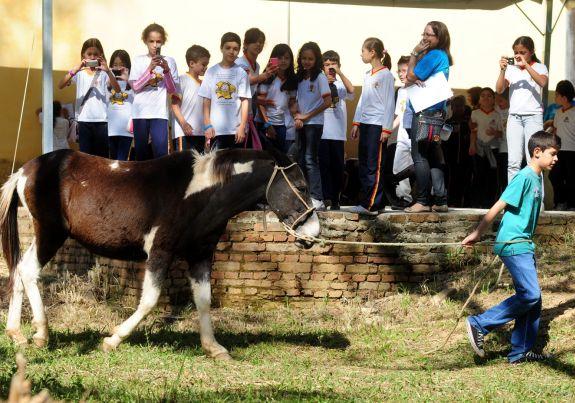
pixel 318 204
pixel 360 210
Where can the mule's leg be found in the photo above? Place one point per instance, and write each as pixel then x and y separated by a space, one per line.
pixel 200 281
pixel 15 312
pixel 29 270
pixel 152 287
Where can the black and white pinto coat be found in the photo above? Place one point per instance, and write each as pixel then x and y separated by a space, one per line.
pixel 153 211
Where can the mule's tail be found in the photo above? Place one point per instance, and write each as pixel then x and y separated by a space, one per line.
pixel 9 225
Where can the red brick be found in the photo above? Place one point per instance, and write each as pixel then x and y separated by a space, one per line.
pixel 267 237
pixel 291 258
pixel 221 256
pixel 259 266
pixel 280 237
pixel 317 276
pixel 359 277
pixel 346 259
pixel 295 267
pixel 237 237
pixel 249 247
pixel 330 276
pixel 252 257
pixel 277 257
pixel 259 275
pixel 326 259
pixel 374 277
pixel 320 294
pixel 380 259
pixel 264 257
pixel 231 274
pixel 335 293
pixel 218 274
pixel 226 266
pixel 236 257
pixel 329 268
pixel 246 274
pixel 360 259
pixel 338 286
pixel 274 275
pixel 344 277
pixel 294 292
pixel 306 258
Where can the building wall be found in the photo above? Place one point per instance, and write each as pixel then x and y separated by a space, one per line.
pixel 479 38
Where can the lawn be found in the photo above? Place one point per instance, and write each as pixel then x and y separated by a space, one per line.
pixel 353 351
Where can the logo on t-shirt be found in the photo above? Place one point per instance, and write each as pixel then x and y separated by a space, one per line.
pixel 311 87
pixel 376 84
pixel 154 81
pixel 225 90
pixel 566 119
pixel 118 98
pixel 537 193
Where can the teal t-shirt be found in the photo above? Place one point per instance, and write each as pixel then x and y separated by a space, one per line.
pixel 523 198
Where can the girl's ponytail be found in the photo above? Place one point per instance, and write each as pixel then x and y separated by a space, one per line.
pixel 386 61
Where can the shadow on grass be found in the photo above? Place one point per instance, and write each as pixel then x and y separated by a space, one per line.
pixel 89 340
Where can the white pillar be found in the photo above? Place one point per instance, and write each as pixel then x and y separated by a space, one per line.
pixel 570 48
pixel 47 85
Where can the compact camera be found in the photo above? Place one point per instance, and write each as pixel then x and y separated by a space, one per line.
pixel 511 61
pixel 117 72
pixel 92 63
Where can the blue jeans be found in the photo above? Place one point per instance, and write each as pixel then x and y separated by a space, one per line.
pixel 524 307
pixel 93 138
pixel 520 128
pixel 307 145
pixel 150 129
pixel 119 147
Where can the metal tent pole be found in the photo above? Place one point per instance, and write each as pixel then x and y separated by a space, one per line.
pixel 547 52
pixel 47 81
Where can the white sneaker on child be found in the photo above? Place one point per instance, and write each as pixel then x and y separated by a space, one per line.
pixel 318 204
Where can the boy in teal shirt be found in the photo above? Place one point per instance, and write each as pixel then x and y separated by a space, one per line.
pixel 521 201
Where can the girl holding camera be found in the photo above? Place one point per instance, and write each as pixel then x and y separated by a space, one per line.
pixel 429 57
pixel 525 76
pixel 153 77
pixel 92 77
pixel 120 108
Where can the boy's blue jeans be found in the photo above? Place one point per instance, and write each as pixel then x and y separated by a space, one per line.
pixel 524 307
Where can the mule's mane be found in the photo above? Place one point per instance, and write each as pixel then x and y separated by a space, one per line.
pixel 211 165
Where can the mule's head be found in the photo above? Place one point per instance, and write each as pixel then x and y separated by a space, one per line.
pixel 288 196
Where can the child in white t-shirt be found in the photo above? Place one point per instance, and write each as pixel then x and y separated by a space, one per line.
pixel 120 108
pixel 188 106
pixel 373 124
pixel 275 96
pixel 563 176
pixel 486 131
pixel 313 97
pixel 91 77
pixel 331 148
pixel 60 126
pixel 153 78
pixel 398 159
pixel 526 78
pixel 226 93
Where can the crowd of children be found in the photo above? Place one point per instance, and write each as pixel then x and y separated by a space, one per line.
pixel 297 103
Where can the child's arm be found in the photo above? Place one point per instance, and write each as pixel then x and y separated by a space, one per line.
pixel 347 84
pixel 208 129
pixel 177 111
pixel 472 137
pixel 502 83
pixel 317 111
pixel 104 67
pixel 65 81
pixel 241 130
pixel 488 218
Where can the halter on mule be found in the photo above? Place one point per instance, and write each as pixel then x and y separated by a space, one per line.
pixel 108 207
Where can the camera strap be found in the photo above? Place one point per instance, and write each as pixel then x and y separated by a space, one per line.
pixel 87 95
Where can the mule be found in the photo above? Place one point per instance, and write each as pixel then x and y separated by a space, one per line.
pixel 153 211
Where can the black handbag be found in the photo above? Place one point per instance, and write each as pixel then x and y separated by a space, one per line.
pixel 429 124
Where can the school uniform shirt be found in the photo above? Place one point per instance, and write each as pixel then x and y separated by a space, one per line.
pixel 400 134
pixel 151 102
pixel 524 93
pixel 377 102
pixel 191 107
pixel 225 87
pixel 253 69
pixel 503 116
pixel 120 111
pixel 310 95
pixel 523 197
pixel 335 119
pixel 94 108
pixel 273 92
pixel 484 121
pixel 290 125
pixel 564 122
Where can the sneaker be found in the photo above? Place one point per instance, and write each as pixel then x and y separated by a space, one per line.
pixel 530 356
pixel 440 208
pixel 475 337
pixel 360 210
pixel 318 205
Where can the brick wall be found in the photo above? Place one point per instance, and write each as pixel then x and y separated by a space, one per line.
pixel 252 264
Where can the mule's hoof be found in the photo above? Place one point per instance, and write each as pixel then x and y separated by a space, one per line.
pixel 223 356
pixel 17 338
pixel 110 344
pixel 40 342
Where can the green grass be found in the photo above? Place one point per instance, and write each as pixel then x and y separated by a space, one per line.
pixel 355 351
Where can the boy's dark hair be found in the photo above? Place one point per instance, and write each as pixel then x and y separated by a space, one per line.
pixel 403 60
pixel 459 99
pixel 331 55
pixel 195 53
pixel 230 37
pixel 565 88
pixel 154 28
pixel 253 35
pixel 474 93
pixel 543 141
pixel 488 89
pixel 318 66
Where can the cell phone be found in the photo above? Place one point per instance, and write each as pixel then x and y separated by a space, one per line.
pixel 511 61
pixel 117 72
pixel 331 71
pixel 274 61
pixel 158 51
pixel 92 63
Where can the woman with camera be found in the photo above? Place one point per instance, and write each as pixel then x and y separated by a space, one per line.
pixel 525 76
pixel 429 57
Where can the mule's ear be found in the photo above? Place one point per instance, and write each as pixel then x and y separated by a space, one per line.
pixel 279 156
